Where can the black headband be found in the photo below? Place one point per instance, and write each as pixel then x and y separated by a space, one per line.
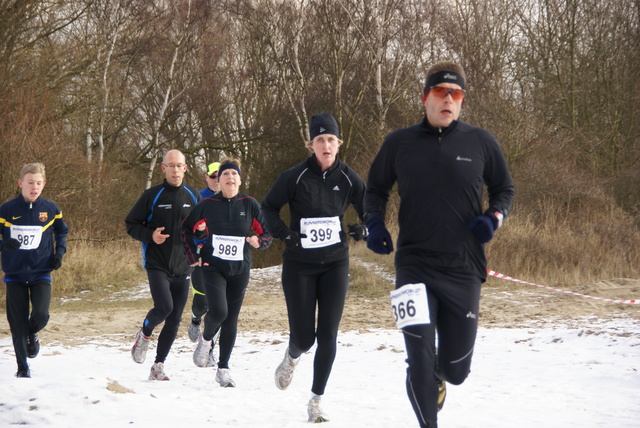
pixel 229 166
pixel 444 77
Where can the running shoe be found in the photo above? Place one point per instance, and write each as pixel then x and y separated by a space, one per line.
pixel 201 354
pixel 284 372
pixel 139 348
pixel 157 372
pixel 194 331
pixel 223 377
pixel 316 415
pixel 212 361
pixel 442 393
pixel 33 345
pixel 23 373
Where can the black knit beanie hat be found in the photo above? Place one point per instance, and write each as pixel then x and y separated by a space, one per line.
pixel 323 123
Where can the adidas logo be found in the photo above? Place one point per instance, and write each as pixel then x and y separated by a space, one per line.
pixel 322 129
pixel 451 76
pixel 337 189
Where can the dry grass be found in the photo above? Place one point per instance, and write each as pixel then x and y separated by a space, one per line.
pixel 94 265
pixel 553 250
pixel 558 250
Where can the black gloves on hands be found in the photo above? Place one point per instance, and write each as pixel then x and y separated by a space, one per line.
pixel 292 239
pixel 484 226
pixel 357 231
pixel 56 262
pixel 379 240
pixel 200 234
pixel 9 244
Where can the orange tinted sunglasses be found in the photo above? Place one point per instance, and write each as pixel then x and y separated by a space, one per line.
pixel 440 92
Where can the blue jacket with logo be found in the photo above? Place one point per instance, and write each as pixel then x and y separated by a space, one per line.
pixel 165 206
pixel 29 222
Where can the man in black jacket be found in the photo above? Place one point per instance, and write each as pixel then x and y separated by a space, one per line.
pixel 441 166
pixel 156 221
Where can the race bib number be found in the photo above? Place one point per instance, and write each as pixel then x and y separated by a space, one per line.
pixel 320 231
pixel 410 305
pixel 228 247
pixel 29 236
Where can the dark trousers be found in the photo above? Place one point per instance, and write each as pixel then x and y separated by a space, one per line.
pixel 304 286
pixel 224 299
pixel 21 322
pixel 199 303
pixel 454 301
pixel 170 294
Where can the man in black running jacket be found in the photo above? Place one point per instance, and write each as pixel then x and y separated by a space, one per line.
pixel 441 166
pixel 156 221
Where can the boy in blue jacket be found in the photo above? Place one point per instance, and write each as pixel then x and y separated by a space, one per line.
pixel 33 243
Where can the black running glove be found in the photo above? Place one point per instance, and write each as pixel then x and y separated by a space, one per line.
pixel 56 262
pixel 9 244
pixel 292 239
pixel 357 231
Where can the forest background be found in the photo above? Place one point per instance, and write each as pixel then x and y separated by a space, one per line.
pixel 99 90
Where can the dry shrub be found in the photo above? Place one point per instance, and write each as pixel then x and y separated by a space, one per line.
pixel 567 249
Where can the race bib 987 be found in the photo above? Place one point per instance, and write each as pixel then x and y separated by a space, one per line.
pixel 410 305
pixel 29 236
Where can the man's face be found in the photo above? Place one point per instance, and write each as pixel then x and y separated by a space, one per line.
pixel 31 185
pixel 212 181
pixel 174 167
pixel 442 111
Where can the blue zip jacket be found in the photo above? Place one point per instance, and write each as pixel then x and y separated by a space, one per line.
pixel 30 222
pixel 165 206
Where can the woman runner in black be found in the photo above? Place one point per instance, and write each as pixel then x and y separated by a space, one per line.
pixel 231 223
pixel 315 261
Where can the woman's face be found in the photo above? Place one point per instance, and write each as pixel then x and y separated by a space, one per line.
pixel 230 182
pixel 326 148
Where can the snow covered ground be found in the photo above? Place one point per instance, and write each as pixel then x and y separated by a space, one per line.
pixel 524 377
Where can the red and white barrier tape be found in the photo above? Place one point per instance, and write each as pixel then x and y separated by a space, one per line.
pixel 508 278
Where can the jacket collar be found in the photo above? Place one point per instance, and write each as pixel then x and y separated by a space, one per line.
pixel 314 166
pixel 438 130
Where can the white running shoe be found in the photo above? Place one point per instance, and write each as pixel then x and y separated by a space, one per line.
pixel 316 415
pixel 212 361
pixel 140 346
pixel 193 331
pixel 284 372
pixel 223 377
pixel 157 372
pixel 201 354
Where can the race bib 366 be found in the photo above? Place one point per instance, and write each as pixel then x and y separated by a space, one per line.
pixel 410 305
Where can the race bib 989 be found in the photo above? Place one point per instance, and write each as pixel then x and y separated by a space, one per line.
pixel 228 247
pixel 410 305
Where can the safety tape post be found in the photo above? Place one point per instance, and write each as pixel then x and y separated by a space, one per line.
pixel 508 278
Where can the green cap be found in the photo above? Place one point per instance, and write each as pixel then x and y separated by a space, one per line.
pixel 213 167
